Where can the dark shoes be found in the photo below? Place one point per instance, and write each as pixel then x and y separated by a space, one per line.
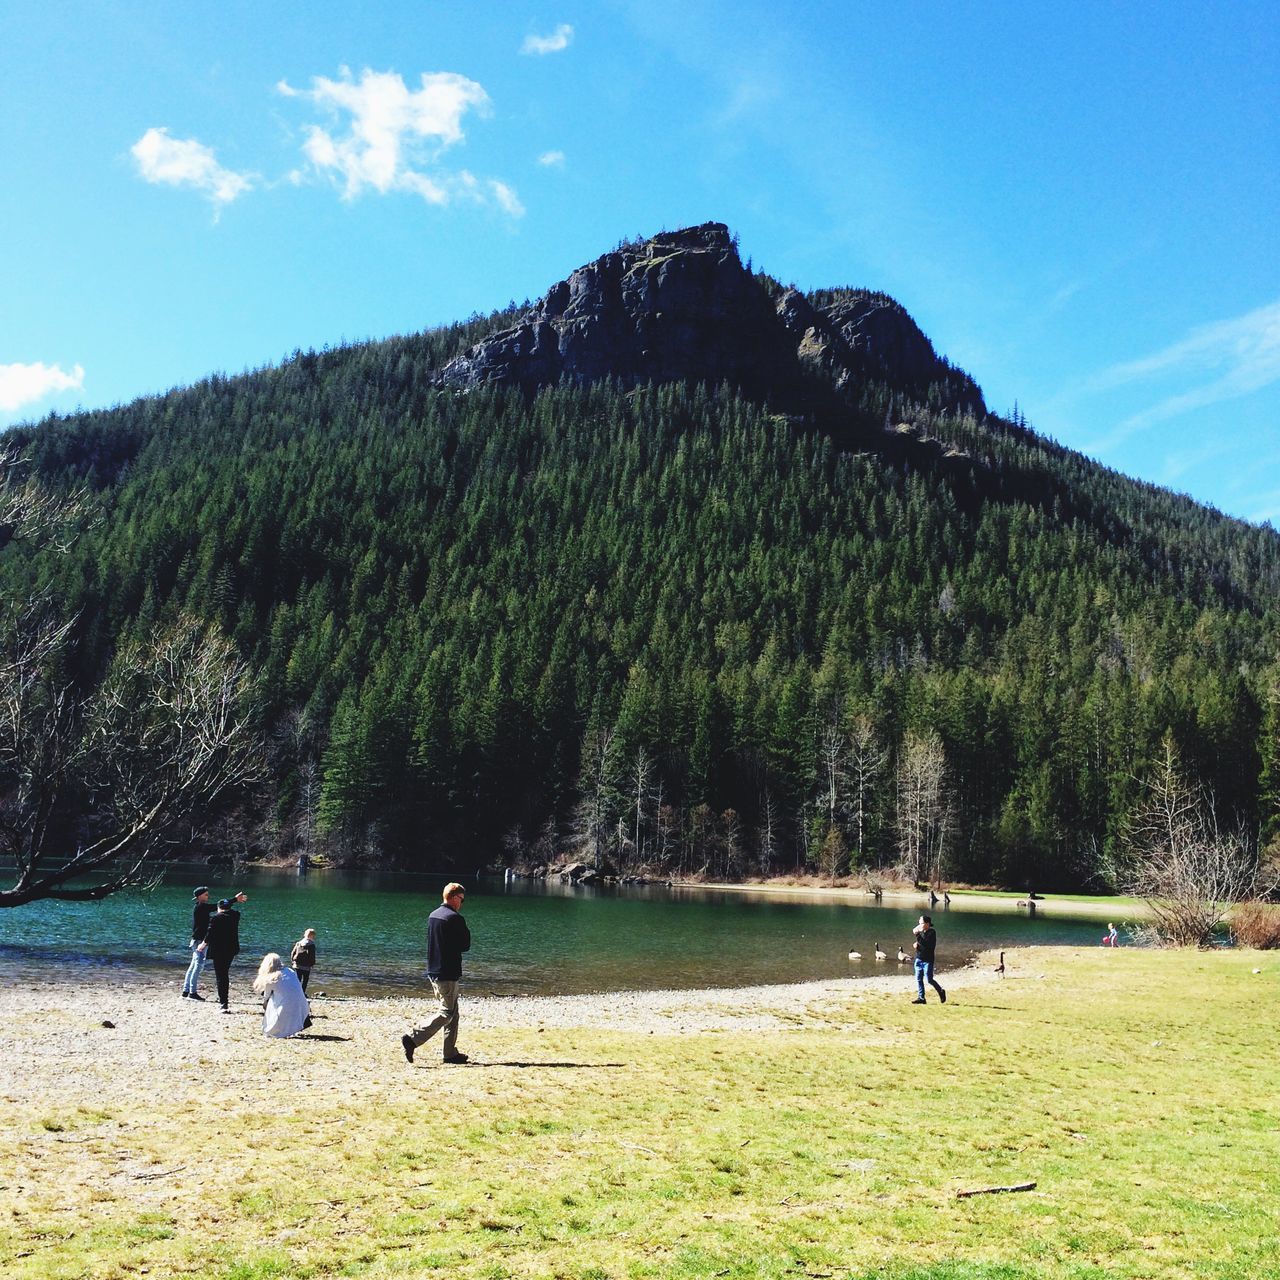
pixel 191 995
pixel 457 1057
pixel 226 1008
pixel 918 1000
pixel 942 995
pixel 407 1042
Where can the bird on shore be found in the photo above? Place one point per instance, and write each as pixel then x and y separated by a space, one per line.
pixel 881 955
pixel 1000 966
pixel 855 955
pixel 902 956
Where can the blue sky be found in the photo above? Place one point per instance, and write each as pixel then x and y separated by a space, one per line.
pixel 1078 203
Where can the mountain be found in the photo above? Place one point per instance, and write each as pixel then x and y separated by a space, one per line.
pixel 679 568
pixel 682 307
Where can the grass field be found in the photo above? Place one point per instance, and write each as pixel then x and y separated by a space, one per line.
pixel 1139 1091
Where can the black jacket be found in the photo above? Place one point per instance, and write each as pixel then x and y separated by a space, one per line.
pixel 926 944
pixel 447 938
pixel 200 920
pixel 223 936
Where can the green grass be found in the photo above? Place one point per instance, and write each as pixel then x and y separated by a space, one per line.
pixel 1137 1089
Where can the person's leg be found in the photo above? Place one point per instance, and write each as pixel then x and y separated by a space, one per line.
pixel 192 975
pixel 920 968
pixel 444 1012
pixel 303 976
pixel 222 971
pixel 942 995
pixel 449 1001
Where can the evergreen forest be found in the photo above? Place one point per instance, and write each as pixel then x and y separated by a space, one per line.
pixel 670 629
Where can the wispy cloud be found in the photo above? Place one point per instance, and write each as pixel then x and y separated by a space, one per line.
pixel 552 159
pixel 184 162
pixel 1213 363
pixel 27 384
pixel 394 136
pixel 556 42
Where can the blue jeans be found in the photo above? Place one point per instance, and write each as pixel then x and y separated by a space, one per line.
pixel 194 970
pixel 924 973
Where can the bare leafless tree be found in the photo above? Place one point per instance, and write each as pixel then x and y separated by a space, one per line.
pixel 833 747
pixel 34 514
pixel 144 755
pixel 768 840
pixel 1176 856
pixel 867 760
pixel 924 810
pixel 95 786
pixel 639 774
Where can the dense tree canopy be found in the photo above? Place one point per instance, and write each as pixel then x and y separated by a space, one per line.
pixel 669 624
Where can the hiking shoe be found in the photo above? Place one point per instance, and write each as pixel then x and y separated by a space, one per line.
pixel 942 995
pixel 191 995
pixel 407 1043
pixel 917 1000
pixel 186 995
pixel 457 1057
pixel 226 1008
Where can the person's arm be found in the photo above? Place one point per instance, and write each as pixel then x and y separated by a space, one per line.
pixel 464 934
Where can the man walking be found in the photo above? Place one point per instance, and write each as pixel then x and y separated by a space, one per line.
pixel 447 938
pixel 926 945
pixel 202 909
pixel 222 940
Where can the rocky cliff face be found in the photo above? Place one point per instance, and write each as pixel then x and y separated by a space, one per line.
pixel 682 306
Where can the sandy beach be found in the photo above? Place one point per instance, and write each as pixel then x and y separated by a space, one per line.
pixel 55 1041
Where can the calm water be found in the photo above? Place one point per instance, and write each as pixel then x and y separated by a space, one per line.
pixel 527 938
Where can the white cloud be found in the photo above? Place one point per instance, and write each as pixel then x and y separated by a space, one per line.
pixel 184 162
pixel 24 384
pixel 556 42
pixel 552 159
pixel 1215 362
pixel 506 197
pixel 395 135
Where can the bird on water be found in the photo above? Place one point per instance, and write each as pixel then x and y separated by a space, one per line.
pixel 880 955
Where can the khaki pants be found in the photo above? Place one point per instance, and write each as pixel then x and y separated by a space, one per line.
pixel 447 1017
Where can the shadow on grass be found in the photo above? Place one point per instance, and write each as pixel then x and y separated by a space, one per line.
pixel 570 1066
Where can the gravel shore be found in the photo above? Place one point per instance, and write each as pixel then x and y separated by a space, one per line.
pixel 126 1044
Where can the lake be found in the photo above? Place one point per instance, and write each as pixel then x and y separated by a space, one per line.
pixel 529 938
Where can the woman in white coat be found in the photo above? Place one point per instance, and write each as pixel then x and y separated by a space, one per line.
pixel 284 1004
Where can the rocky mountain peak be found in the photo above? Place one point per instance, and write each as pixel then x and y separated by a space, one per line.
pixel 681 306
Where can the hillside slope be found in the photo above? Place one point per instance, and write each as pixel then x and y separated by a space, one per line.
pixel 679 568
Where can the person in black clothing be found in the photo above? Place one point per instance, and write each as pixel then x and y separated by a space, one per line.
pixel 926 945
pixel 303 956
pixel 447 938
pixel 201 911
pixel 222 941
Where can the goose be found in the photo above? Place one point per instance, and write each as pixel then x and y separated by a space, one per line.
pixel 1000 966
pixel 855 955
pixel 881 955
pixel 902 956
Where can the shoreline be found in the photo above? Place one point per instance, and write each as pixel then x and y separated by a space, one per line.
pixel 974 899
pixel 124 1047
